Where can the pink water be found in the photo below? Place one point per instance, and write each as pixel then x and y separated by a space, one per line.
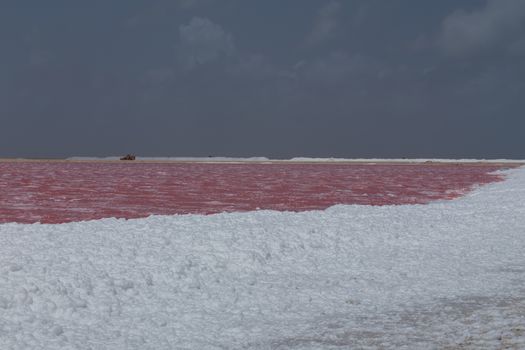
pixel 58 192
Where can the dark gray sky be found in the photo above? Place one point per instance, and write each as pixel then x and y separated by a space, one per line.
pixel 277 78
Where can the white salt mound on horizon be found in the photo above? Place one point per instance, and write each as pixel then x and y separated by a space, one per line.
pixel 446 274
pixel 305 159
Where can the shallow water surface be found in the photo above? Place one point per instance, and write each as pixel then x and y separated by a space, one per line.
pixel 57 192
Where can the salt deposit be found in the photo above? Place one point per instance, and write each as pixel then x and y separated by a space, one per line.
pixel 449 273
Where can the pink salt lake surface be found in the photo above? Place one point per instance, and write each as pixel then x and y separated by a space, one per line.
pixel 58 192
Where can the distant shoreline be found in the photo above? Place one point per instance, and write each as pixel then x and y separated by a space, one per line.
pixel 212 160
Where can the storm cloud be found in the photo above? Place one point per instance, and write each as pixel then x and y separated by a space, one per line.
pixel 326 23
pixel 203 41
pixel 357 78
pixel 498 23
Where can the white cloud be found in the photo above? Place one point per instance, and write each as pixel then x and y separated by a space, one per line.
pixel 203 41
pixel 467 33
pixel 326 23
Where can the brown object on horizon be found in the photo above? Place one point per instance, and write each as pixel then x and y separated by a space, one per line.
pixel 128 157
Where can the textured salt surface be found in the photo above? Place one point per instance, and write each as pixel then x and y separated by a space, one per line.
pixel 57 192
pixel 449 274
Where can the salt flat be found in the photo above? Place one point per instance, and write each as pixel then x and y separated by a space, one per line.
pixel 450 274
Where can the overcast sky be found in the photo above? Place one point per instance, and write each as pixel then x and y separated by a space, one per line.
pixel 276 78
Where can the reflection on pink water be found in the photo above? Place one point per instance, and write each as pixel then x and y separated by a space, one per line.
pixel 57 192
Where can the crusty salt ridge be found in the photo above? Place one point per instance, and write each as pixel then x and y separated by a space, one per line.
pixel 450 273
